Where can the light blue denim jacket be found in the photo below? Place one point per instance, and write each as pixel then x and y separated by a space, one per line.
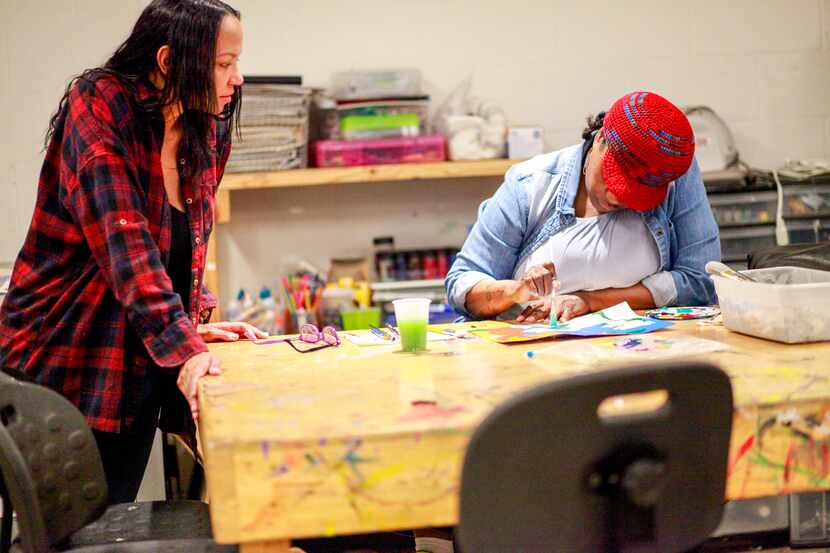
pixel 536 201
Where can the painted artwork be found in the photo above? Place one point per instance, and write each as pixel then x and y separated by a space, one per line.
pixel 613 321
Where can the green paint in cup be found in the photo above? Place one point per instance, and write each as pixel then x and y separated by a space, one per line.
pixel 412 316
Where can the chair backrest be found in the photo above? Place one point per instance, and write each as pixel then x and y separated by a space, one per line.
pixel 546 473
pixel 50 464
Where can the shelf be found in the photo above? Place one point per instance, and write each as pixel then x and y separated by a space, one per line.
pixel 327 176
pixel 369 173
pixel 407 284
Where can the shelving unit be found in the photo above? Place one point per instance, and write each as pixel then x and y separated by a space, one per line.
pixel 340 176
pixel 353 175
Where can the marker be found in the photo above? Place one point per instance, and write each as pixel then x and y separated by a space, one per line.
pixel 379 333
pixel 554 321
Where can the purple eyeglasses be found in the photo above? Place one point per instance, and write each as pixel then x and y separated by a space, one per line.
pixel 309 334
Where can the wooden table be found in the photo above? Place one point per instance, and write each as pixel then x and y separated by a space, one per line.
pixel 361 439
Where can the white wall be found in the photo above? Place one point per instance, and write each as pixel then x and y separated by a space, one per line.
pixel 764 65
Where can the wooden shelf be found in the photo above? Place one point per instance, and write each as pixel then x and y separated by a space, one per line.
pixel 369 173
pixel 351 175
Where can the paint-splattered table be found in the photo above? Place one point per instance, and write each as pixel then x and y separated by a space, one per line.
pixel 359 439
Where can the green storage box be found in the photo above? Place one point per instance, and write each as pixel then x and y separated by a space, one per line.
pixel 359 319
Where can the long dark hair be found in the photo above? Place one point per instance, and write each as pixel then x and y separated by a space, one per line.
pixel 190 29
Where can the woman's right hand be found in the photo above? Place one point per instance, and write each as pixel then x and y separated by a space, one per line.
pixel 194 369
pixel 537 282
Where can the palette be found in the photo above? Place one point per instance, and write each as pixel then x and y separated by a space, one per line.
pixel 683 313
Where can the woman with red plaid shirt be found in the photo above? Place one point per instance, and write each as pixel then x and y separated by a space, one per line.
pixel 106 303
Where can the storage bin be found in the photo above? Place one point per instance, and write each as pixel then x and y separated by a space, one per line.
pixel 337 153
pixel 392 83
pixel 359 319
pixel 807 231
pixel 806 200
pixel 736 243
pixel 790 304
pixel 745 208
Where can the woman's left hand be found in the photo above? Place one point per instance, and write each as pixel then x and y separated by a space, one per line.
pixel 536 311
pixel 229 332
pixel 567 307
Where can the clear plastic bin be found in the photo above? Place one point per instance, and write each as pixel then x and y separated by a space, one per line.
pixel 338 153
pixel 790 304
pixel 348 85
pixel 806 200
pixel 736 243
pixel 808 231
pixel 744 209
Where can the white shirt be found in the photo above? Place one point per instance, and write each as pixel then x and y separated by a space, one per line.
pixel 611 250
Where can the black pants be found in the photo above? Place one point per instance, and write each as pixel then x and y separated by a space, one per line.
pixel 125 454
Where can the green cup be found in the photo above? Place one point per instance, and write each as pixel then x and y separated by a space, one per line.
pixel 412 316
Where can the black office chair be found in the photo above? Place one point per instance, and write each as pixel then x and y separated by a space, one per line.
pixel 545 472
pixel 53 479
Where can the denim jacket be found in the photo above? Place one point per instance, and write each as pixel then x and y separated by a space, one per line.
pixel 536 201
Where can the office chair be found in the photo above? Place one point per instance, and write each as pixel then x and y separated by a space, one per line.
pixel 53 479
pixel 547 472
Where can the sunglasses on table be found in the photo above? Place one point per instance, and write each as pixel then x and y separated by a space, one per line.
pixel 310 339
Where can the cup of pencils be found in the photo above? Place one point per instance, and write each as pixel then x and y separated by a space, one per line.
pixel 302 294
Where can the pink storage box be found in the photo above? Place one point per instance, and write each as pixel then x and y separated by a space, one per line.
pixel 341 153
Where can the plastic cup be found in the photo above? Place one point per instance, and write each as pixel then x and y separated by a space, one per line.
pixel 412 316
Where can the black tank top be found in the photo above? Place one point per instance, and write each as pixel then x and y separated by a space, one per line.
pixel 178 264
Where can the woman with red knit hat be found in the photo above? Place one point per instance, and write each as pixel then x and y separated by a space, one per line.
pixel 621 217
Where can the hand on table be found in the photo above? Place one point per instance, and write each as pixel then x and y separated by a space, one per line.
pixel 568 306
pixel 229 332
pixel 193 369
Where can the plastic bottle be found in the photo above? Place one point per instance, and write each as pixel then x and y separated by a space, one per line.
pixel 265 321
pixel 401 267
pixel 430 266
pixel 384 250
pixel 234 308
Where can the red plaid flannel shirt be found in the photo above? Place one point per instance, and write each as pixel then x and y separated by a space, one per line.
pixel 92 265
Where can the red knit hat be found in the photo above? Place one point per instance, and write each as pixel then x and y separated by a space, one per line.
pixel 650 143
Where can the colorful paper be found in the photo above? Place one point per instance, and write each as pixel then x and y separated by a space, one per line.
pixel 683 313
pixel 613 321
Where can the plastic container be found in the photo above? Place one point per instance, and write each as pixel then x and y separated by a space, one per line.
pixel 333 303
pixel 412 317
pixel 737 243
pixel 745 208
pixel 337 153
pixel 790 304
pixel 806 200
pixel 369 127
pixel 359 319
pixel 807 231
pixel 391 83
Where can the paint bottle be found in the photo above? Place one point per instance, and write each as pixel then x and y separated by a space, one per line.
pixel 430 265
pixel 234 308
pixel 265 321
pixel 401 267
pixel 384 247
